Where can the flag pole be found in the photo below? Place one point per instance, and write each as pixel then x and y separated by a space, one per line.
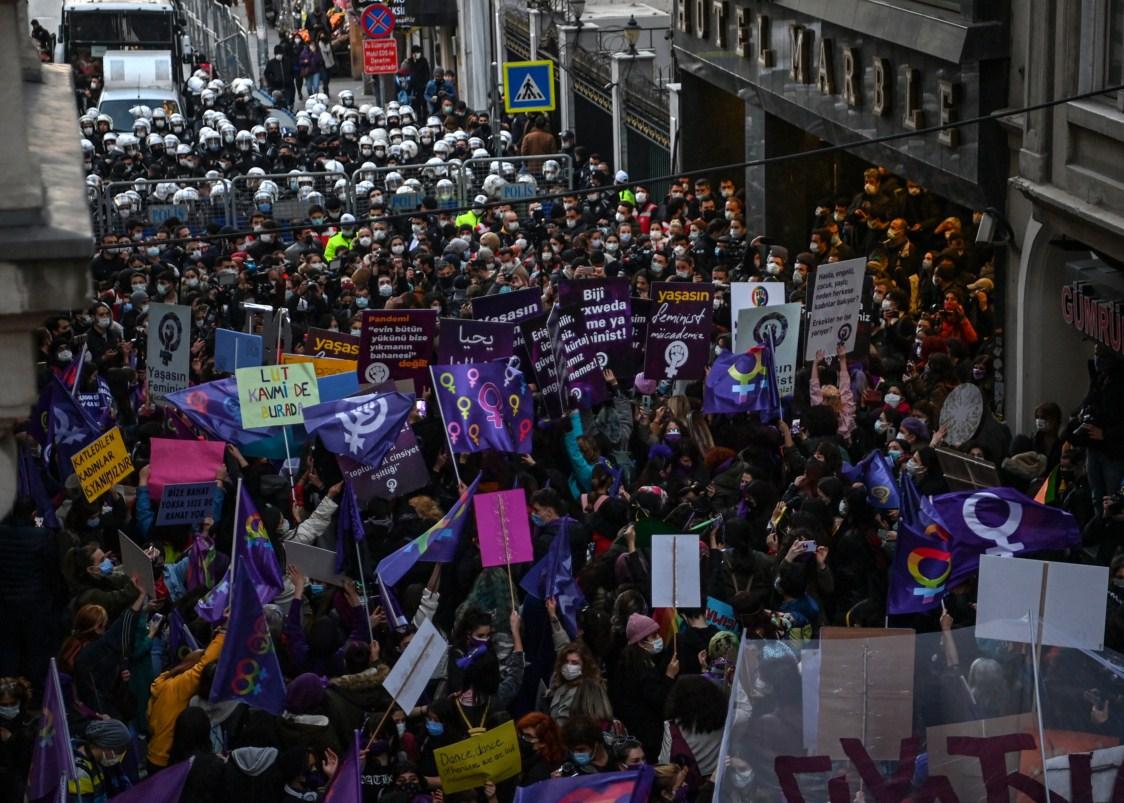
pixel 363 579
pixel 234 540
pixel 674 597
pixel 385 716
pixel 445 429
pixel 78 371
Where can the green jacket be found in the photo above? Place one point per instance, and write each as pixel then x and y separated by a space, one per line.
pixel 337 240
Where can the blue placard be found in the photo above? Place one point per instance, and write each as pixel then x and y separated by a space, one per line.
pixel 721 615
pixel 186 503
pixel 228 344
pixel 528 86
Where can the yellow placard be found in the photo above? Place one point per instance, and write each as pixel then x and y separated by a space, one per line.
pixel 274 395
pixel 490 756
pixel 101 464
pixel 324 366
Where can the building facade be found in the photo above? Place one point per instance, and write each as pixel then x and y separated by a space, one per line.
pixel 45 235
pixel 1065 200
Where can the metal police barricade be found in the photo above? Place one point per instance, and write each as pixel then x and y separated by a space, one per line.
pixel 516 178
pixel 217 33
pixel 403 187
pixel 195 202
pixel 287 197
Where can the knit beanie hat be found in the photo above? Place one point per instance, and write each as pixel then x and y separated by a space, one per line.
pixel 305 694
pixel 639 627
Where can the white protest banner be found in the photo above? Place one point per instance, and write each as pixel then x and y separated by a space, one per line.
pixel 675 571
pixel 833 315
pixel 1055 604
pixel 751 295
pixel 137 564
pixel 758 326
pixel 415 667
pixel 169 349
pixel 186 503
pixel 318 564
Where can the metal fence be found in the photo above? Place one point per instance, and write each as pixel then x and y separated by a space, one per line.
pixel 217 32
pixel 235 200
pixel 296 192
pixel 154 203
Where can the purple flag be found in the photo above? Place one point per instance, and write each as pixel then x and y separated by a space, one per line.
pixel 485 406
pixel 921 568
pixel 875 473
pixel 66 426
pixel 998 521
pixel 253 552
pixel 463 340
pixel 29 483
pixel 213 408
pixel 362 428
pixel 180 640
pixel 553 576
pixel 743 383
pixel 165 786
pixel 51 758
pixel 631 786
pixel 438 544
pixel 349 524
pixel 347 785
pixel 248 670
pixel 679 323
pixel 607 308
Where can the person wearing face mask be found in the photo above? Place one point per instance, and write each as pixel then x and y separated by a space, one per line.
pixel 342 238
pixel 924 469
pixel 18 733
pixel 103 340
pixel 583 741
pixel 576 687
pixel 645 673
pixel 98 758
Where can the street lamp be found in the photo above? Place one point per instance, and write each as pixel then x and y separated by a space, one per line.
pixel 578 7
pixel 632 33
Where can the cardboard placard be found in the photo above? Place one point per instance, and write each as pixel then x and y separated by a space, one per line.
pixel 326 343
pixel 680 318
pixel 101 463
pixel 318 564
pixel 169 349
pixel 411 672
pixel 274 395
pixel 833 314
pixel 182 461
pixel 397 344
pixel 753 295
pixel 234 350
pixel 503 528
pixel 186 503
pixel 137 564
pixel 675 572
pixel 489 756
pixel 780 325
pixel 323 366
pixel 866 690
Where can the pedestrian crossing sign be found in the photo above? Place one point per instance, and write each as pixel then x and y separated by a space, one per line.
pixel 528 86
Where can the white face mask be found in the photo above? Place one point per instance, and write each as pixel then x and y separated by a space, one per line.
pixel 892 399
pixel 13 711
pixel 365 242
pixel 1041 424
pixel 103 322
pixel 655 646
pixel 385 290
pixel 642 197
pixel 571 671
pixel 397 249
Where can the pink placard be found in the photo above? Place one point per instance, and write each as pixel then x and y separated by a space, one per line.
pixel 503 528
pixel 175 462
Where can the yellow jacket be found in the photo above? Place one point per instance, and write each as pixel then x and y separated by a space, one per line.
pixel 170 695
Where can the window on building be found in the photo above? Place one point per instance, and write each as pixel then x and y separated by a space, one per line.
pixel 1102 50
pixel 1114 48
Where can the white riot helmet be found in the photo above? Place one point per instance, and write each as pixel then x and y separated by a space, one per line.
pixel 445 190
pixel 178 123
pixel 551 170
pixel 155 143
pixel 87 149
pixel 326 123
pixel 347 98
pixel 171 143
pixel 493 186
pixel 186 195
pixel 393 181
pixel 441 149
pixel 409 150
pixel 434 167
pixel 332 166
pixel 129 144
pixel 93 187
pixel 260 134
pixel 165 191
pixel 348 129
pixel 425 135
pixel 340 188
pixel 141 128
pixel 244 141
pixel 228 133
pixel 366 147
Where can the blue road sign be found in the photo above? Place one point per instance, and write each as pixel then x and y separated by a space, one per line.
pixel 528 86
pixel 377 21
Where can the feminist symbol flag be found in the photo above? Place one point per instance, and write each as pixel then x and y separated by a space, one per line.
pixel 743 383
pixel 485 406
pixel 51 758
pixel 248 670
pixel 363 428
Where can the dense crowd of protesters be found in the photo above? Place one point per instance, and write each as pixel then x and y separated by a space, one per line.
pixel 627 688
